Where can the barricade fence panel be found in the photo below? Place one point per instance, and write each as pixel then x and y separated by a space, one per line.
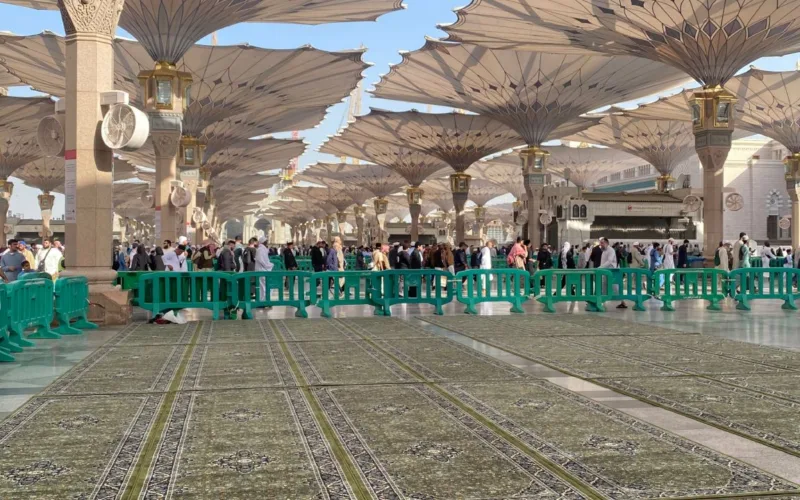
pixel 227 292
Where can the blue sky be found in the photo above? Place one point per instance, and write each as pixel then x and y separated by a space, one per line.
pixel 403 30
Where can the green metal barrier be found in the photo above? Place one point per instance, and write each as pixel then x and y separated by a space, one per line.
pixel 129 281
pixel 776 283
pixel 411 286
pixel 6 346
pixel 36 276
pixel 756 262
pixel 690 284
pixel 499 263
pixel 631 284
pixel 476 286
pixel 592 286
pixel 30 305
pixel 72 303
pixel 278 263
pixel 347 288
pixel 280 289
pixel 778 262
pixel 161 292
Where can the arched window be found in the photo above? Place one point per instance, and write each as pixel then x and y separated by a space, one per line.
pixel 584 211
pixel 576 211
pixel 559 212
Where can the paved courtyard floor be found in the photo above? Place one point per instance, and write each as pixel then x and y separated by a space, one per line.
pixel 617 405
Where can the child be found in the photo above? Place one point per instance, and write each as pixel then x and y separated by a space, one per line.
pixel 25 269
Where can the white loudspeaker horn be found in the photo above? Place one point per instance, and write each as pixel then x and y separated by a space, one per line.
pixel 50 136
pixel 125 128
pixel 148 200
pixel 180 196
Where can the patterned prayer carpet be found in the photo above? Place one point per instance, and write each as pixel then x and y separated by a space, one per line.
pixel 370 408
pixel 747 389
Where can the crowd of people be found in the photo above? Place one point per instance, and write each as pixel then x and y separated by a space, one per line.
pixel 19 259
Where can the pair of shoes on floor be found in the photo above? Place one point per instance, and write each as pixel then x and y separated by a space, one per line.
pixel 622 306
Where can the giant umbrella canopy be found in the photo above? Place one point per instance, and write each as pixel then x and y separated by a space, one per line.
pixel 19 119
pixel 665 144
pixel 335 196
pixel 237 91
pixel 168 28
pixel 583 166
pixel 458 139
pixel 415 166
pixel 767 104
pixel 709 40
pixel 375 179
pixel 539 95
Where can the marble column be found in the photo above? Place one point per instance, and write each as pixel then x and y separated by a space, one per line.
pixel 123 229
pixel 341 220
pixel 381 207
pixel 414 195
pixel 792 164
pixel 459 186
pixel 534 162
pixel 90 28
pixel 46 201
pixel 480 222
pixel 329 226
pixel 190 183
pixel 713 119
pixel 3 220
pixel 360 213
pixel 165 143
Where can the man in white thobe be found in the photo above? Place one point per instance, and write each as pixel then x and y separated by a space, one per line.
pixel 486 263
pixel 669 255
pixel 48 259
pixel 263 264
pixel 175 260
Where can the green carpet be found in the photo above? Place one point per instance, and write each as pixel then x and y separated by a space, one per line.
pixel 372 408
pixel 544 325
pixel 747 389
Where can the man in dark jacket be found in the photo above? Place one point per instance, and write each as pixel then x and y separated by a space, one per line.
pixel 289 261
pixel 393 255
pixel 596 257
pixel 249 256
pixel 403 260
pixel 461 263
pixel 683 255
pixel 544 257
pixel 318 256
pixel 237 254
pixel 226 260
pixel 415 258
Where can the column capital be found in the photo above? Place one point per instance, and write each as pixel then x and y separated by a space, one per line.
pixel 98 17
pixel 165 143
